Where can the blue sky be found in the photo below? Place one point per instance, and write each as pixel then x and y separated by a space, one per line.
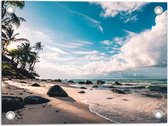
pixel 97 40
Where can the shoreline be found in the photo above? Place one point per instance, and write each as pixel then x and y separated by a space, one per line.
pixel 107 107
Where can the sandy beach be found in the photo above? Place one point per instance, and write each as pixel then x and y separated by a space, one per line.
pixel 58 110
pixel 127 108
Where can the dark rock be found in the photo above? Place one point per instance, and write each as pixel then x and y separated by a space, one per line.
pixel 83 88
pixel 35 85
pixel 70 81
pixel 120 91
pixel 129 84
pixel 23 82
pixel 117 83
pixel 88 82
pixel 58 80
pixel 100 82
pixel 10 103
pixel 94 86
pixel 43 79
pixel 56 91
pixel 153 95
pixel 20 93
pixel 81 82
pixel 35 100
pixel 110 98
pixel 82 92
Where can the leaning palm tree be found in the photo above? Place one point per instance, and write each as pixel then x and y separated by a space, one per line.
pixel 9 36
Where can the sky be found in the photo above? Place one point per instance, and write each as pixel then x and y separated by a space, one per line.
pixel 89 40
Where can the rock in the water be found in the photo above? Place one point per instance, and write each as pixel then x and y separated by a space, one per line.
pixel 35 85
pixel 120 91
pixel 81 92
pixel 70 81
pixel 10 103
pixel 94 86
pixel 88 82
pixel 100 82
pixel 83 88
pixel 56 91
pixel 35 100
pixel 117 83
pixel 81 82
pixel 58 80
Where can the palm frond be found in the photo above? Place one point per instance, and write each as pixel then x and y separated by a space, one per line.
pixel 20 40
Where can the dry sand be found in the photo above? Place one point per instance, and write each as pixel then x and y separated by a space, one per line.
pixel 57 111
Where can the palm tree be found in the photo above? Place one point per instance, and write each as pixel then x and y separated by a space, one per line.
pixel 11 19
pixel 27 54
pixel 38 47
pixel 9 36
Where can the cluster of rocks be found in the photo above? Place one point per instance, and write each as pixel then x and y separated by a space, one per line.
pixel 11 103
pixel 85 82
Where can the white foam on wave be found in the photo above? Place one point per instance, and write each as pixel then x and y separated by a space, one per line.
pixel 98 104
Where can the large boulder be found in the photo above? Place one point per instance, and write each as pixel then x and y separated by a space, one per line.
pixel 100 82
pixel 88 82
pixel 10 103
pixel 35 100
pixel 35 85
pixel 117 83
pixel 56 91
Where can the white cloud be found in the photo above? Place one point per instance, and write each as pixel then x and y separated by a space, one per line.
pixel 106 42
pixel 125 9
pixel 148 48
pixel 144 49
pixel 111 9
pixel 132 19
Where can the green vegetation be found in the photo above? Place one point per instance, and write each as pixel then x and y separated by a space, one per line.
pixel 20 60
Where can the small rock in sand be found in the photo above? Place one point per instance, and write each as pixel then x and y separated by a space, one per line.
pixel 20 93
pixel 23 82
pixel 83 88
pixel 110 98
pixel 35 85
pixel 81 92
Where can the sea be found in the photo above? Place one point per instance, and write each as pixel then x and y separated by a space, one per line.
pixel 97 98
